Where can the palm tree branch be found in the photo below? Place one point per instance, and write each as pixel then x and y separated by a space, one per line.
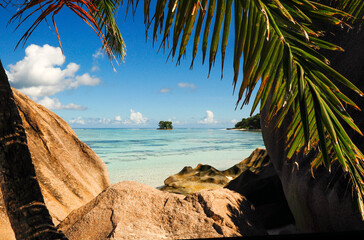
pixel 99 15
pixel 284 31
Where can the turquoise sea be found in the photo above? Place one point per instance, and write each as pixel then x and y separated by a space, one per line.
pixel 149 156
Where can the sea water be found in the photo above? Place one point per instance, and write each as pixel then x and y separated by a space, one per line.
pixel 149 156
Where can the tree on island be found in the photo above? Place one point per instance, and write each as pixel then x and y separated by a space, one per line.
pixel 249 123
pixel 282 45
pixel 165 125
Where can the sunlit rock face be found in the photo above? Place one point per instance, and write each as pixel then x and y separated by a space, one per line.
pixel 203 177
pixel 131 210
pixel 70 174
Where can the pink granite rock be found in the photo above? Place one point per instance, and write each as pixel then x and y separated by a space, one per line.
pixel 130 210
pixel 69 172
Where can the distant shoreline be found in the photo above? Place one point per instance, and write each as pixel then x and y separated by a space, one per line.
pixel 244 129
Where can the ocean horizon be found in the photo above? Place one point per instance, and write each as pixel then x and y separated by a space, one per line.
pixel 149 156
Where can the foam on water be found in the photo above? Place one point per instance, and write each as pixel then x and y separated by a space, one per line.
pixel 149 156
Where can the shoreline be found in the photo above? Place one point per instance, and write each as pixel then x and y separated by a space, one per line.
pixel 244 129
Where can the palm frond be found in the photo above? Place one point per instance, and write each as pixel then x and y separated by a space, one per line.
pixel 4 3
pixel 105 16
pixel 99 15
pixel 354 7
pixel 280 43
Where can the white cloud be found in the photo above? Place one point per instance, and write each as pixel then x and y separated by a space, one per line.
pixel 85 79
pixel 104 121
pixel 208 119
pixel 78 120
pixel 135 118
pixel 40 74
pixel 165 90
pixel 234 121
pixel 186 85
pixel 55 104
pixel 117 120
pixel 95 68
pixel 98 121
pixel 174 120
pixel 98 54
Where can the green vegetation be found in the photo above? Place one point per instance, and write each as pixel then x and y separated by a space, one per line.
pixel 249 123
pixel 165 125
pixel 275 54
pixel 278 42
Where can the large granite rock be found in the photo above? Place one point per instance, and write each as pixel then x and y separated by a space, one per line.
pixel 70 174
pixel 264 190
pixel 131 210
pixel 322 200
pixel 254 178
pixel 203 177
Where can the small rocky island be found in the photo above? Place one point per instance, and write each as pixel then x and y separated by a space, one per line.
pixel 165 125
pixel 251 198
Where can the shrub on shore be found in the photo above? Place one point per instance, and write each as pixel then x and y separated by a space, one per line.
pixel 249 123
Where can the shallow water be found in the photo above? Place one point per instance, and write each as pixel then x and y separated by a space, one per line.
pixel 149 156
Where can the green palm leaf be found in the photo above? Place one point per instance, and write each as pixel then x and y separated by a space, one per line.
pixel 279 44
pixel 99 15
pixel 278 41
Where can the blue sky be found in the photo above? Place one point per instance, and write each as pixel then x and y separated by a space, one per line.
pixel 85 91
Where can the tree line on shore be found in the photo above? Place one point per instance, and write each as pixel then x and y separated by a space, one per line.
pixel 249 123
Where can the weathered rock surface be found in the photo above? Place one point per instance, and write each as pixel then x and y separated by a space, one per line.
pixel 203 177
pixel 264 190
pixel 131 210
pixel 254 178
pixel 322 200
pixel 69 172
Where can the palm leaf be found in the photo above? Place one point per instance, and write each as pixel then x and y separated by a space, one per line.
pixel 99 15
pixel 280 45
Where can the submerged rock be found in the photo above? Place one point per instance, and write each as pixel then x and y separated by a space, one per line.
pixel 254 178
pixel 131 210
pixel 70 174
pixel 203 177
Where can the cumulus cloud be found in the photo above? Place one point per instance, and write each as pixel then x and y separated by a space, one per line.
pixel 55 104
pixel 208 119
pixel 118 118
pixel 95 68
pixel 165 90
pixel 234 121
pixel 98 121
pixel 174 120
pixel 99 53
pixel 186 85
pixel 85 79
pixel 78 120
pixel 40 74
pixel 135 118
pixel 95 57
